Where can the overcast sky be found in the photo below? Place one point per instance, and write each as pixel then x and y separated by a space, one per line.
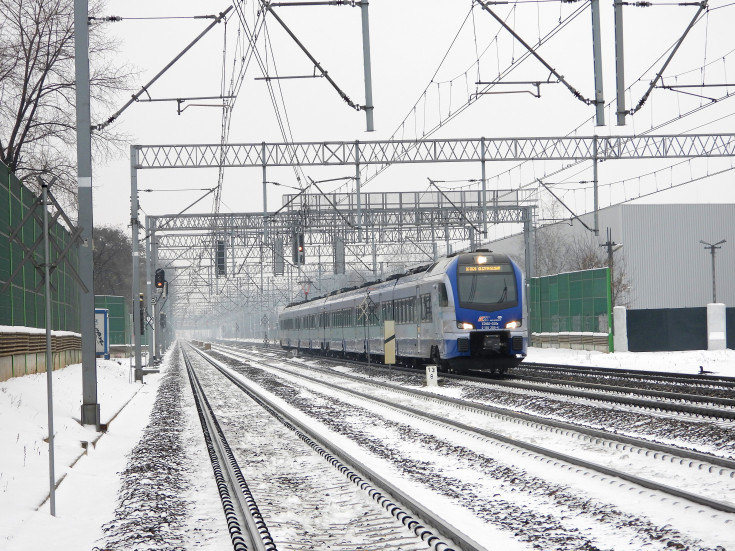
pixel 425 68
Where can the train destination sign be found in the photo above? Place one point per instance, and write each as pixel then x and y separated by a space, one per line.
pixel 484 268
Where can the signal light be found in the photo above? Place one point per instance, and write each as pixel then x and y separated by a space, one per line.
pixel 160 278
pixel 299 252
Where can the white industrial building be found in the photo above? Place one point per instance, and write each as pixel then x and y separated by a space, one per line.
pixel 665 262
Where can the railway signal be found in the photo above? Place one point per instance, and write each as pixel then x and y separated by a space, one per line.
pixel 160 278
pixel 299 253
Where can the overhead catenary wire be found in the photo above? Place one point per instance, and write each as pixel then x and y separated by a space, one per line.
pixel 651 129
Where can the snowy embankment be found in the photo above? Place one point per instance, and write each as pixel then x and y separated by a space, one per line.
pixel 88 481
pixel 719 362
pixel 87 494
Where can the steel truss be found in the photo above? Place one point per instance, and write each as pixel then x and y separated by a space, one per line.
pixel 402 233
pixel 387 230
pixel 433 151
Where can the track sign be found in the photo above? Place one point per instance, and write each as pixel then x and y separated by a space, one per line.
pixel 278 263
pixel 221 265
pixel 339 255
pixel 389 341
pixel 102 332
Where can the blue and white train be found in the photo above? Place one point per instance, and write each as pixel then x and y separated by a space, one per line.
pixel 462 312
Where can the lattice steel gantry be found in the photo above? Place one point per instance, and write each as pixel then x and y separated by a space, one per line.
pixel 373 230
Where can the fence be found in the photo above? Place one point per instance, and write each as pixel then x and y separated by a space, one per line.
pixel 22 303
pixel 573 308
pixel 119 322
pixel 672 329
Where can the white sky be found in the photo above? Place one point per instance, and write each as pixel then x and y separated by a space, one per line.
pixel 408 41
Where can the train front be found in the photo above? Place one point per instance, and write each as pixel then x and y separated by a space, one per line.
pixel 488 301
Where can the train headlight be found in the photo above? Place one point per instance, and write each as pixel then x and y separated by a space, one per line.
pixel 481 260
pixel 464 325
pixel 513 325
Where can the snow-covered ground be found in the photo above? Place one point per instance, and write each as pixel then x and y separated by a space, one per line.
pixel 721 362
pixel 87 493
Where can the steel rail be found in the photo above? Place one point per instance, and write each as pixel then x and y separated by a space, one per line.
pixel 634 373
pixel 690 455
pixel 626 400
pixel 642 402
pixel 637 402
pixel 241 510
pixel 698 398
pixel 354 464
pixel 651 485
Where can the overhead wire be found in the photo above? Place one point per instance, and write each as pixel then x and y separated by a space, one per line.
pixel 652 128
pixel 471 100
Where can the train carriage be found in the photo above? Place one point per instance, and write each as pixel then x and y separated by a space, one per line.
pixel 462 312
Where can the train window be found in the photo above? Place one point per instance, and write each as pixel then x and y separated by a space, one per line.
pixel 387 310
pixel 373 318
pixel 426 307
pixel 488 290
pixel 443 298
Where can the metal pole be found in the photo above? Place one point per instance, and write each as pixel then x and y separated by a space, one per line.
pixel 90 414
pixel 367 66
pixel 149 290
pixel 484 187
pixel 134 222
pixel 712 248
pixel 597 52
pixel 157 332
pixel 49 356
pixel 714 286
pixel 595 183
pixel 529 260
pixel 619 62
pixel 357 190
pixel 265 193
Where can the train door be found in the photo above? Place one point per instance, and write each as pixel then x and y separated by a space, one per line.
pixel 417 319
pixel 436 316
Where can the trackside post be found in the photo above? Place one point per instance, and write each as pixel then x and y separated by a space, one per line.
pixel 431 379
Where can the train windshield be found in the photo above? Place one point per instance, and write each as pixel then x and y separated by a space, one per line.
pixel 488 289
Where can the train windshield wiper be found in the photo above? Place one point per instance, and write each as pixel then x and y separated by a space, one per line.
pixel 504 295
pixel 473 288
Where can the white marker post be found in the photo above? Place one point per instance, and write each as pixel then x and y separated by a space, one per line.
pixel 431 378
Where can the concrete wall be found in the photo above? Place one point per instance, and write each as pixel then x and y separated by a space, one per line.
pixel 17 365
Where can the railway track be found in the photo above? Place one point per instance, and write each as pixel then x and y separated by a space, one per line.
pixel 248 530
pixel 723 468
pixel 334 485
pixel 717 407
pixel 628 374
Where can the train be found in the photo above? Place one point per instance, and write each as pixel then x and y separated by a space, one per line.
pixel 463 312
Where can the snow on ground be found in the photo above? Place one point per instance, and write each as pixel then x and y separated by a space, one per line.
pixel 718 362
pixel 87 492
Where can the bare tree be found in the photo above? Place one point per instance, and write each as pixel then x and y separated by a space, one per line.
pixel 37 90
pixel 112 258
pixel 558 251
pixel 552 250
pixel 585 253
